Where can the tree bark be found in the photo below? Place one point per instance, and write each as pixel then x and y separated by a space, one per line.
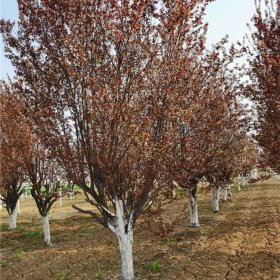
pixel 47 233
pixel 13 219
pixel 215 199
pixel 193 210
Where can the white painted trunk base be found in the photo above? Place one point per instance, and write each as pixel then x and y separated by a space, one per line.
pixel 18 207
pixel 242 181
pixel 123 229
pixel 215 199
pixel 125 243
pixel 47 233
pixel 193 211
pixel 225 194
pixel 13 220
pixel 60 198
pixel 173 193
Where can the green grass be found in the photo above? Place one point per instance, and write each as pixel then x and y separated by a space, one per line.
pixel 31 233
pixel 154 266
pixel 171 241
pixel 61 275
pixel 19 254
pixel 3 227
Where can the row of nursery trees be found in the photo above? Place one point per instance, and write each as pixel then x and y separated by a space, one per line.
pixel 122 98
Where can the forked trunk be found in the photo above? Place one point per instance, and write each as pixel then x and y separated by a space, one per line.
pixel 47 233
pixel 13 219
pixel 215 199
pixel 193 209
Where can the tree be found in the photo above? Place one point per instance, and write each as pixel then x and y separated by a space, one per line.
pixel 264 72
pixel 210 115
pixel 45 176
pixel 15 144
pixel 100 79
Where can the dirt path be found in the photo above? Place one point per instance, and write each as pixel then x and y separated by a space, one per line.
pixel 242 242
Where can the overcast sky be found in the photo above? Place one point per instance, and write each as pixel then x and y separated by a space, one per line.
pixel 224 17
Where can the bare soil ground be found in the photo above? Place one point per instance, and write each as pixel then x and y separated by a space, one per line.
pixel 241 242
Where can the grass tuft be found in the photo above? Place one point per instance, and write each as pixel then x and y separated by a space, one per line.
pixel 154 266
pixel 19 254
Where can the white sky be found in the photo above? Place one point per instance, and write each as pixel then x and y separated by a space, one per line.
pixel 224 17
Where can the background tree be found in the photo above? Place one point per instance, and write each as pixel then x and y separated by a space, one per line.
pixel 15 144
pixel 210 114
pixel 264 72
pixel 45 176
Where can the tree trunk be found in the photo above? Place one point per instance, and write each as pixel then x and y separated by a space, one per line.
pixel 193 210
pixel 60 198
pixel 13 219
pixel 123 229
pixel 174 193
pixel 18 206
pixel 47 233
pixel 125 243
pixel 242 181
pixel 225 193
pixel 215 199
